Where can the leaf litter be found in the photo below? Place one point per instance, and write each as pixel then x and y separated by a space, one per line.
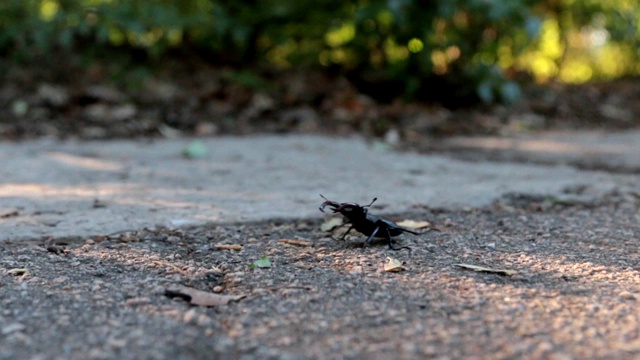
pixel 413 224
pixel 236 247
pixel 331 224
pixel 295 242
pixel 477 268
pixel 199 297
pixel 393 265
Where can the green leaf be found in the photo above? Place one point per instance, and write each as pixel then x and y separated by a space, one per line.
pixel 379 146
pixel 262 263
pixel 195 150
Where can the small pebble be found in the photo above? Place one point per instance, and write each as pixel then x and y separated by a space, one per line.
pixel 11 328
pixel 627 295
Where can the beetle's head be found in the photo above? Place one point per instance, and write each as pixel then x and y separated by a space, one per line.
pixel 332 204
pixel 345 208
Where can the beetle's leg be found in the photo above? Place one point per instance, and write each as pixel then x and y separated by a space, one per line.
pixel 409 231
pixel 391 246
pixel 345 234
pixel 338 227
pixel 375 231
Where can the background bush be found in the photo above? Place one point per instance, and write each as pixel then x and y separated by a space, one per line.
pixel 445 50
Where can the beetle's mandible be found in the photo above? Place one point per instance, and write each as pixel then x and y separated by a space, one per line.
pixel 370 225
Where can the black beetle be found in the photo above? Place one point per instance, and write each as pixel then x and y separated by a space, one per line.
pixel 365 223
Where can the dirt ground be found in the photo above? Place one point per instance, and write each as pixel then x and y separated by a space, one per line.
pixel 572 292
pixel 575 293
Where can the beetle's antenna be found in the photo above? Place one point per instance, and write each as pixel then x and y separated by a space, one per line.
pixel 372 201
pixel 322 196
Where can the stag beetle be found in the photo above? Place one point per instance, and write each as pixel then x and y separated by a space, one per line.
pixel 365 223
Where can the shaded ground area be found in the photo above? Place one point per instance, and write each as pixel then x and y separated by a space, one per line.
pixel 610 151
pixel 197 99
pixel 575 295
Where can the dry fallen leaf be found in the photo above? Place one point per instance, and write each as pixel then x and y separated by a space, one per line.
pixel 412 224
pixel 506 272
pixel 200 298
pixel 228 247
pixel 393 265
pixel 18 272
pixel 9 214
pixel 174 267
pixel 331 224
pixel 295 242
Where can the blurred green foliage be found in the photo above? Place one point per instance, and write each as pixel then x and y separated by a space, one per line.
pixel 454 48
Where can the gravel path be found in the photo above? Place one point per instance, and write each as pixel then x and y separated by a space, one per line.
pixel 576 293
